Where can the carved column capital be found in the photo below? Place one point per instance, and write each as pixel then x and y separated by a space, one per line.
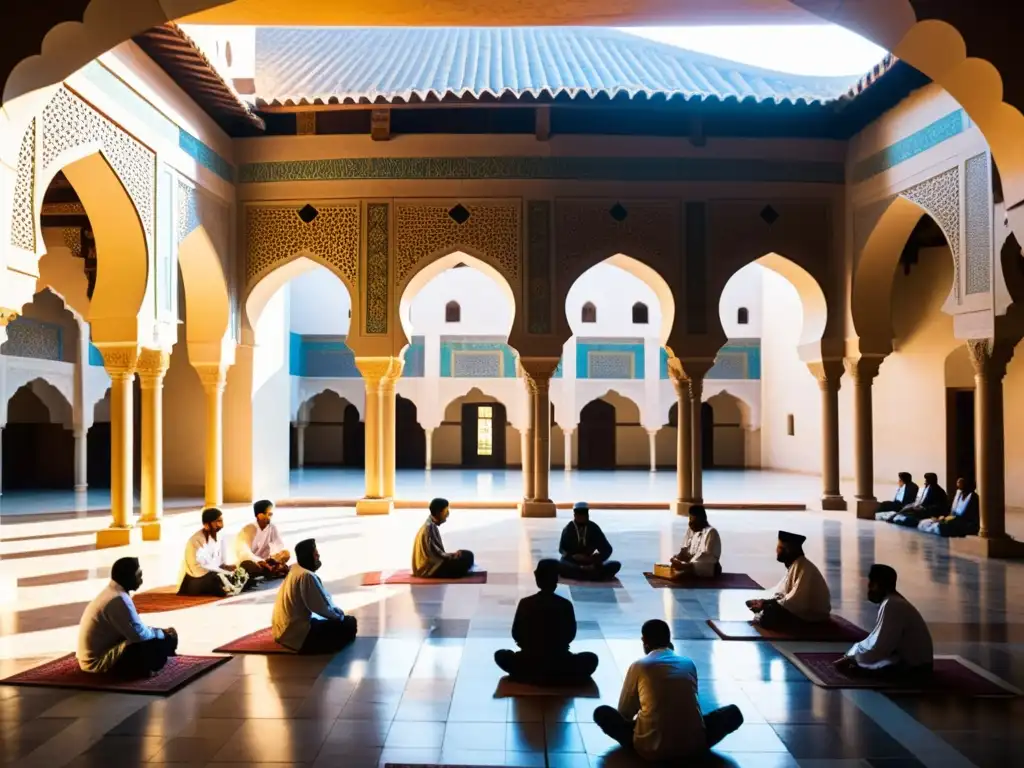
pixel 152 365
pixel 393 374
pixel 862 370
pixel 375 369
pixel 828 373
pixel 539 368
pixel 120 361
pixel 989 357
pixel 7 315
pixel 214 377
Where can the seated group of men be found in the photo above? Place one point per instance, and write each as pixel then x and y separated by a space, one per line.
pixel 928 509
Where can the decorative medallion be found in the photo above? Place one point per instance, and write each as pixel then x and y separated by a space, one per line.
pixel 377 283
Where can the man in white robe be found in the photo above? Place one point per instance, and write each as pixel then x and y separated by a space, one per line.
pixel 801 597
pixel 701 550
pixel 259 548
pixel 204 571
pixel 306 620
pixel 900 644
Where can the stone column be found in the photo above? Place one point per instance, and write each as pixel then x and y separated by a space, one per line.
pixel 567 448
pixel 696 433
pixel 652 447
pixel 684 446
pixel 528 452
pixel 863 371
pixel 81 460
pixel 300 444
pixel 374 370
pixel 214 378
pixel 828 373
pixel 429 434
pixel 540 371
pixel 119 362
pixel 152 367
pixel 387 428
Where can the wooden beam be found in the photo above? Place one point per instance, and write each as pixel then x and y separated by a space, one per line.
pixel 305 123
pixel 542 123
pixel 380 124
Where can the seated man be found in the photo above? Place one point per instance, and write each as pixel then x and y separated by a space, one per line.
pixel 801 597
pixel 701 549
pixel 930 500
pixel 900 644
pixel 112 637
pixel 544 625
pixel 658 714
pixel 301 596
pixel 204 571
pixel 584 549
pixel 964 515
pixel 429 559
pixel 259 547
pixel 906 489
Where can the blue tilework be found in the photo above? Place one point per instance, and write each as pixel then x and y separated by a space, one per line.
pixel 450 349
pixel 320 357
pixel 205 156
pixel 593 360
pixel 910 146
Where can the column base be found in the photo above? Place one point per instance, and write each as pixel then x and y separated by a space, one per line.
pixel 81 488
pixel 866 509
pixel 681 507
pixel 116 537
pixel 374 506
pixel 996 548
pixel 537 508
pixel 836 504
pixel 151 530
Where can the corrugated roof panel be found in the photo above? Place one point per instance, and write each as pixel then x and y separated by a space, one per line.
pixel 309 65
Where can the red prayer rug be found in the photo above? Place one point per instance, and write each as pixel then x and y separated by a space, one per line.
pixel 508 688
pixel 167 599
pixel 376 578
pixel 261 641
pixel 722 581
pixel 65 673
pixel 835 630
pixel 951 676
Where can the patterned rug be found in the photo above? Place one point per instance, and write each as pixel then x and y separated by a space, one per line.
pixel 375 578
pixel 65 673
pixel 835 630
pixel 724 581
pixel 167 599
pixel 261 641
pixel 951 676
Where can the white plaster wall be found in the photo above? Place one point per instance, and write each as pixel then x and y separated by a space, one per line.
pixel 319 304
pixel 613 291
pixel 486 310
pixel 744 289
pixel 271 399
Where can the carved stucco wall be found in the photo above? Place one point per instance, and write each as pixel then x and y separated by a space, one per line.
pixel 492 231
pixel 940 197
pixel 378 282
pixel 978 230
pixel 23 229
pixel 274 235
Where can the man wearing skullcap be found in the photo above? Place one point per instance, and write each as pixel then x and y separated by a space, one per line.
pixel 429 558
pixel 801 596
pixel 585 549
pixel 900 644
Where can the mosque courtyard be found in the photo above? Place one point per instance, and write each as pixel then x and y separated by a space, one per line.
pixel 418 686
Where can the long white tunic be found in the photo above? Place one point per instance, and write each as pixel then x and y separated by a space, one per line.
pixel 253 544
pixel 803 591
pixel 302 594
pixel 660 691
pixel 900 636
pixel 203 555
pixel 703 549
pixel 110 620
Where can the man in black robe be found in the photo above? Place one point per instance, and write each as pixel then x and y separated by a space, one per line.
pixel 585 549
pixel 544 625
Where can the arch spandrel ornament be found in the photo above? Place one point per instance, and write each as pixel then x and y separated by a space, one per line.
pixel 276 234
pixel 492 231
pixel 939 196
pixel 23 228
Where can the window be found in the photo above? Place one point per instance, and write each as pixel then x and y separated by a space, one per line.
pixel 589 313
pixel 790 425
pixel 484 430
pixel 743 316
pixel 452 312
pixel 640 313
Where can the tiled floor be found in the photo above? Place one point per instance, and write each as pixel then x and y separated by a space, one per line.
pixel 418 685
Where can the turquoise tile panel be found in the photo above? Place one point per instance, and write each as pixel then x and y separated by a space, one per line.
pixel 910 146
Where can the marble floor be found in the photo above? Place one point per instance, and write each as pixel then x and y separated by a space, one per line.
pixel 418 685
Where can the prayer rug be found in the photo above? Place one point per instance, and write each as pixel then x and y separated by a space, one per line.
pixel 375 578
pixel 724 581
pixel 508 688
pixel 167 599
pixel 951 675
pixel 261 642
pixel 835 630
pixel 65 673
pixel 609 584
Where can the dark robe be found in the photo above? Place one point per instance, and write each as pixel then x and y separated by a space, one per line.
pixel 586 540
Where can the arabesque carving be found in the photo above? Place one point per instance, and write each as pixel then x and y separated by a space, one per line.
pixel 23 221
pixel 275 234
pixel 940 197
